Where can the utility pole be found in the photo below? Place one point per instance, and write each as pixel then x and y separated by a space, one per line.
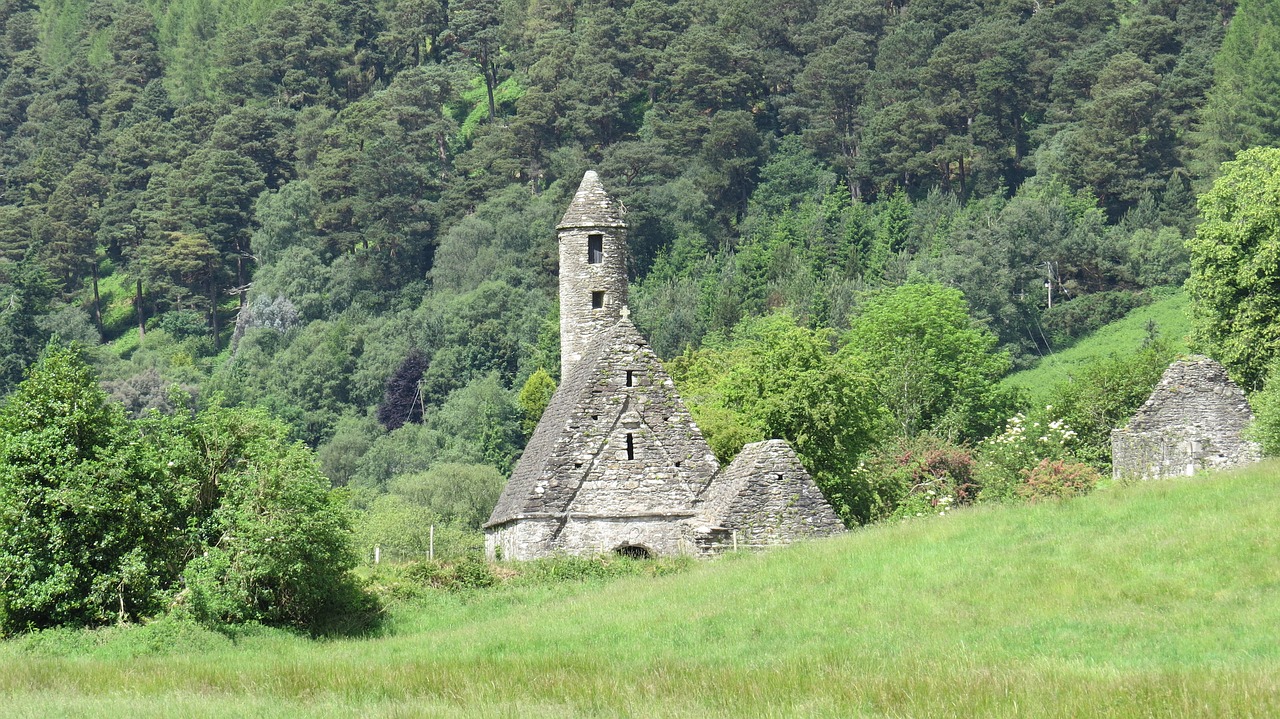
pixel 1048 282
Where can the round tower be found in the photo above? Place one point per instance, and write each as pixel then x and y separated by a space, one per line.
pixel 593 271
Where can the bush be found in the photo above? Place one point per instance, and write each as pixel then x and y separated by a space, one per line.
pixel 278 543
pixel 472 572
pixel 914 477
pixel 557 570
pixel 1265 428
pixel 1057 479
pixel 1025 443
pixel 469 572
pixel 181 324
pixel 218 515
pixel 1104 395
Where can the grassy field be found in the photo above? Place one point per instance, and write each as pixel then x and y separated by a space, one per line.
pixel 1172 316
pixel 1159 599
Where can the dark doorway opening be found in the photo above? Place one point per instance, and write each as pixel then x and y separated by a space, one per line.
pixel 597 300
pixel 635 551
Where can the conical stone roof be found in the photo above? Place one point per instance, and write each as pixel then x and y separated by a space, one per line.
pixel 592 206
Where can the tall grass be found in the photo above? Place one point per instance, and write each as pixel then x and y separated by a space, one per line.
pixel 1157 599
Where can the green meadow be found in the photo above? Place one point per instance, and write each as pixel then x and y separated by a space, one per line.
pixel 1154 599
pixel 1170 317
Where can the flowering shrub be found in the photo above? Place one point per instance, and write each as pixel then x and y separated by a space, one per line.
pixel 1057 479
pixel 918 477
pixel 1004 459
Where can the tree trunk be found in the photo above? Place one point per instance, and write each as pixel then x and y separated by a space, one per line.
pixel 97 305
pixel 490 79
pixel 137 306
pixel 240 281
pixel 213 311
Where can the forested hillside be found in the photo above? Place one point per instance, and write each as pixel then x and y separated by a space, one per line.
pixel 341 211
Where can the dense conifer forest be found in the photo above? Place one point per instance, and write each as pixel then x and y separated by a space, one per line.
pixel 848 219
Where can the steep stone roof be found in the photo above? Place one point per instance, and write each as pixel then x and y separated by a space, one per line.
pixel 592 206
pixel 767 493
pixel 577 440
pixel 1194 420
pixel 1193 390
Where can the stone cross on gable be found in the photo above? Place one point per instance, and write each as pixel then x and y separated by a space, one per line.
pixel 625 312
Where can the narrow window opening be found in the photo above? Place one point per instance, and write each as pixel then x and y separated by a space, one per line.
pixel 629 378
pixel 597 299
pixel 595 249
pixel 678 463
pixel 631 446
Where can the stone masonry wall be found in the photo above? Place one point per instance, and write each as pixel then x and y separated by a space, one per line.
pixel 592 212
pixel 581 471
pixel 1193 421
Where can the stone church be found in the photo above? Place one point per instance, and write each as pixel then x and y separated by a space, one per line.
pixel 616 463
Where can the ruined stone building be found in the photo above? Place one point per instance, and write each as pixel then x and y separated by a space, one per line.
pixel 1193 421
pixel 616 463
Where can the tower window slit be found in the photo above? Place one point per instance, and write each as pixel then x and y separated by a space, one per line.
pixel 631 446
pixel 597 299
pixel 595 249
pixel 630 378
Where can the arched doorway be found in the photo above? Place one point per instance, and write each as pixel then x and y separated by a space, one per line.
pixel 635 551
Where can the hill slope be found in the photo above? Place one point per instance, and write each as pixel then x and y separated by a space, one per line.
pixel 1171 317
pixel 1156 599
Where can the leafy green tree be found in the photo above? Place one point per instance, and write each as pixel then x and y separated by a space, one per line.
pixel 100 516
pixel 463 494
pixel 1234 271
pixel 277 541
pixel 86 507
pixel 412 31
pixel 534 397
pixel 1239 111
pixel 212 192
pixel 934 368
pixel 775 379
pixel 26 293
pixel 1123 145
pixel 1265 429
pixel 477 24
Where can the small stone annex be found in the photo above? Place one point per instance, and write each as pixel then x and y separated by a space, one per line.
pixel 617 464
pixel 1193 421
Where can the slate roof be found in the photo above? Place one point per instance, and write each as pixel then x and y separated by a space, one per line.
pixel 1190 381
pixel 592 206
pixel 568 444
pixel 767 476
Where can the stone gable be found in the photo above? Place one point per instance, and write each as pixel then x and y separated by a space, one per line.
pixel 765 496
pixel 615 444
pixel 1194 420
